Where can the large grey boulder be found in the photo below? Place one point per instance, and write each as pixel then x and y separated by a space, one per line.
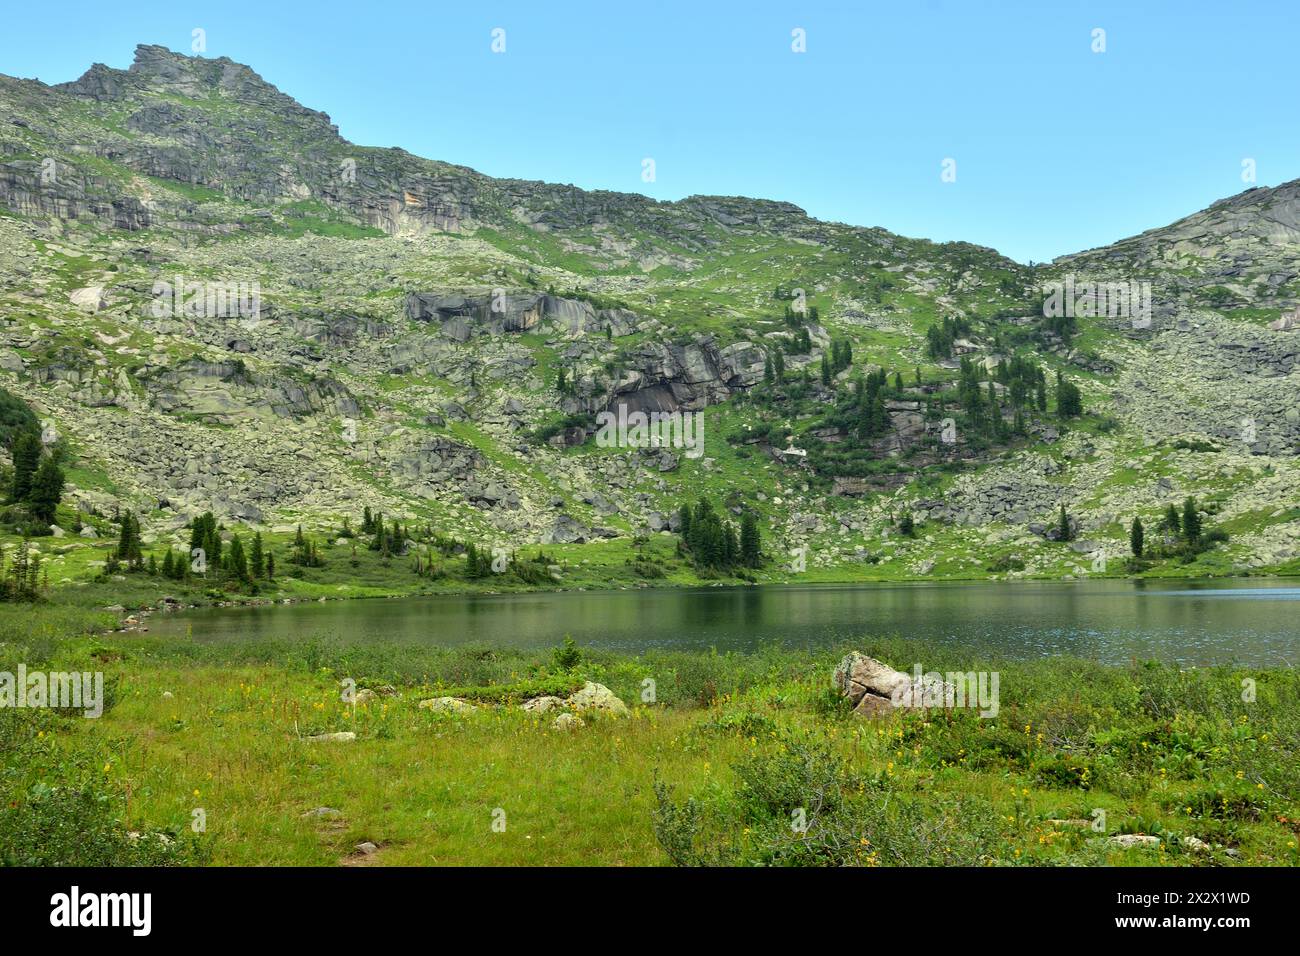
pixel 876 689
pixel 565 530
pixel 858 675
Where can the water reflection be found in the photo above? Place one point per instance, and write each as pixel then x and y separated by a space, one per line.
pixel 1250 622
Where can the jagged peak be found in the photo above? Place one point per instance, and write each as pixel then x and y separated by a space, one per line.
pixel 157 67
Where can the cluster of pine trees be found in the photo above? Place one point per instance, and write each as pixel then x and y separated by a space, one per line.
pixel 37 483
pixel 209 559
pixel 478 561
pixel 1069 400
pixel 1065 327
pixel 802 343
pixel 23 579
pixel 129 550
pixel 837 360
pixel 565 381
pixel 303 552
pixel 386 539
pixel 981 406
pixel 990 404
pixel 939 339
pixel 1183 534
pixel 774 367
pixel 713 544
pixel 1025 381
pixel 482 561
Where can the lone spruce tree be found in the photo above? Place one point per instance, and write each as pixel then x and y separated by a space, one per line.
pixel 751 549
pixel 256 557
pixel 1063 532
pixel 1191 522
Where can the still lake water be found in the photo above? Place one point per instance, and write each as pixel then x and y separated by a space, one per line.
pixel 1252 622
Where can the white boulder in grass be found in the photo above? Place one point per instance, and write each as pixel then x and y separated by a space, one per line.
pixel 597 697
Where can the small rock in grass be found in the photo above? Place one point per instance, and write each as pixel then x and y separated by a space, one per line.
pixel 541 705
pixel 446 705
pixel 323 813
pixel 1195 844
pixel 1129 840
pixel 567 721
pixel 367 848
pixel 167 695
pixel 341 737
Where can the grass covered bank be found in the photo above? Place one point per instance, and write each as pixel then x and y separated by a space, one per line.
pixel 720 755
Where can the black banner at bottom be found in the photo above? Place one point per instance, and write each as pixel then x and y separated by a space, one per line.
pixel 213 905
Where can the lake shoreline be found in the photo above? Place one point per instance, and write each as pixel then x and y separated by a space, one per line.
pixel 196 601
pixel 290 768
pixel 1107 619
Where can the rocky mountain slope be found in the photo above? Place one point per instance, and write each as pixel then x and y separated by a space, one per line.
pixel 218 302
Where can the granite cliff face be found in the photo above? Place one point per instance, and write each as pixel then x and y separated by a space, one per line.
pixel 436 342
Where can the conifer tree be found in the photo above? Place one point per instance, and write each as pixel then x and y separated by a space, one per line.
pixel 1063 532
pixel 1172 523
pixel 128 542
pixel 27 457
pixel 256 558
pixel 1191 522
pixel 236 563
pixel 751 546
pixel 46 490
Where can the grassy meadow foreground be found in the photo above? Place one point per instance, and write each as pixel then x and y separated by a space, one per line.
pixel 202 757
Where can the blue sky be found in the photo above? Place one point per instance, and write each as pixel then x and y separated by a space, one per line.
pixel 1057 148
